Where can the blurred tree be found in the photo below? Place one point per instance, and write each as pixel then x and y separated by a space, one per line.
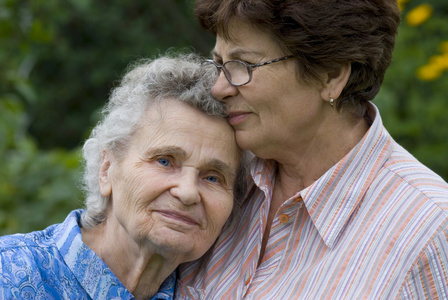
pixel 37 188
pixel 413 99
pixel 59 60
pixel 72 51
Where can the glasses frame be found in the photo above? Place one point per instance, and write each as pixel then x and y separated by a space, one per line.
pixel 249 67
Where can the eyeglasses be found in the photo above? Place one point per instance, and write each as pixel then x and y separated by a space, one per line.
pixel 238 72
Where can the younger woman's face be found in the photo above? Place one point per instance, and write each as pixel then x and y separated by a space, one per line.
pixel 277 106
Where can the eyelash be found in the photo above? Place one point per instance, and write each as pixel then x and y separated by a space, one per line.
pixel 169 161
pixel 218 179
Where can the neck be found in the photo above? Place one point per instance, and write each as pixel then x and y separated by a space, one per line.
pixel 140 269
pixel 304 162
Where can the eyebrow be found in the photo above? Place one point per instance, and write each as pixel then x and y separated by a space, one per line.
pixel 236 52
pixel 168 150
pixel 221 167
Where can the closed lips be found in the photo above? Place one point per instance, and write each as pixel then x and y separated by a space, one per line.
pixel 179 216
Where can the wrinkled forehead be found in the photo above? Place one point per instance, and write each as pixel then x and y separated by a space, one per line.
pixel 174 111
pixel 174 123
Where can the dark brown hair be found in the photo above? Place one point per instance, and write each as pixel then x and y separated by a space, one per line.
pixel 323 34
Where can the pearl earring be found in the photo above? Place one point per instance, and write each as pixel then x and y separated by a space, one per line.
pixel 331 101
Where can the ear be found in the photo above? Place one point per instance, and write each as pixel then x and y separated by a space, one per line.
pixel 104 178
pixel 335 81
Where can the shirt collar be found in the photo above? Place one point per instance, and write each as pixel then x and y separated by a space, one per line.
pixel 333 198
pixel 166 290
pixel 88 268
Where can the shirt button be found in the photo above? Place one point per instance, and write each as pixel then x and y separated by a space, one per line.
pixel 283 218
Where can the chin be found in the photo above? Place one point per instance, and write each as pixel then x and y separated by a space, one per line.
pixel 244 141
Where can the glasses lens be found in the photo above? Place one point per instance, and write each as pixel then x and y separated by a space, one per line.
pixel 237 72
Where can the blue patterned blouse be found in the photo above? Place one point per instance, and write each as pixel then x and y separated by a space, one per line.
pixel 56 264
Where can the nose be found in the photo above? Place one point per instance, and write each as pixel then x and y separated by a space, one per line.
pixel 222 89
pixel 186 188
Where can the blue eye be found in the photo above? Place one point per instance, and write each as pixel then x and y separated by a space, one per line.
pixel 164 162
pixel 212 178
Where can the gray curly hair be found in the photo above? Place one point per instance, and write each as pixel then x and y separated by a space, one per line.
pixel 183 77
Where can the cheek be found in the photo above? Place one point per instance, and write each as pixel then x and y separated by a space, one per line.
pixel 266 87
pixel 131 190
pixel 217 214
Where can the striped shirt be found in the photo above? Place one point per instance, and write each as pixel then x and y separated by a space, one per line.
pixel 374 226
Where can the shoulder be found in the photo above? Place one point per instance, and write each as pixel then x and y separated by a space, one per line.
pixel 405 170
pixel 28 241
pixel 26 250
pixel 399 171
pixel 31 266
pixel 42 240
pixel 418 198
pixel 23 257
pixel 411 202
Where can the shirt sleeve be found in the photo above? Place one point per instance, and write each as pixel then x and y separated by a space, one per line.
pixel 428 277
pixel 19 278
pixel 28 271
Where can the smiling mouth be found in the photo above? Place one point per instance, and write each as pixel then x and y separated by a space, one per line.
pixel 178 217
pixel 235 118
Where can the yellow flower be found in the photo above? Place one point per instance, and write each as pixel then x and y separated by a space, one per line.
pixel 439 61
pixel 437 64
pixel 428 73
pixel 419 14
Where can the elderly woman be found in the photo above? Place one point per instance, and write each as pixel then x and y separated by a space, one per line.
pixel 160 173
pixel 336 208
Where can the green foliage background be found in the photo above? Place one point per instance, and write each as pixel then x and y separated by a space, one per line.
pixel 60 58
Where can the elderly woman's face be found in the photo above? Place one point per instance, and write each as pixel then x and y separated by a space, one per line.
pixel 276 106
pixel 172 192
